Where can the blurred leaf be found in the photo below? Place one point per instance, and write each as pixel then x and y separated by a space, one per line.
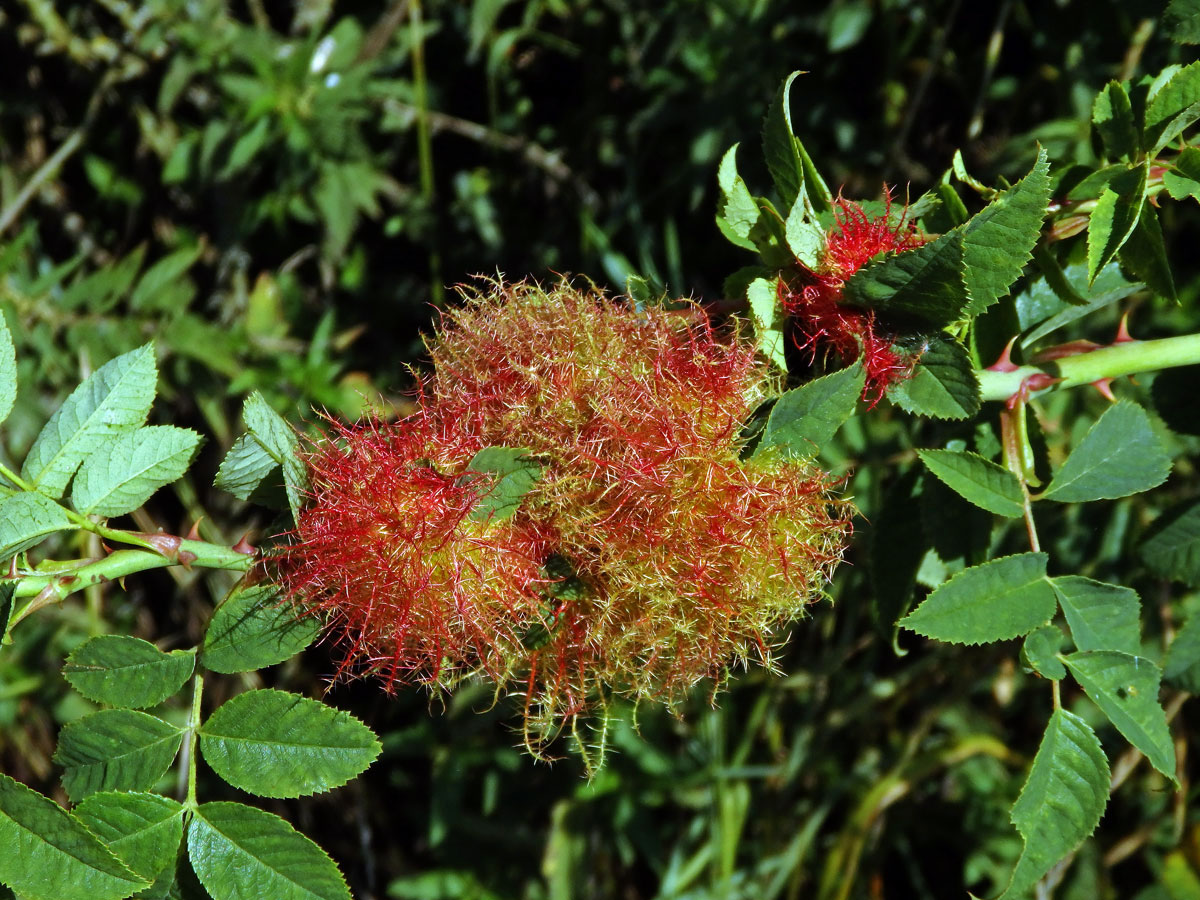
pixel 511 472
pixel 1040 651
pixel 977 480
pixel 897 543
pixel 1174 392
pixel 254 629
pixel 121 670
pixel 276 744
pixel 925 283
pixel 126 469
pixel 1113 117
pixel 1182 665
pixel 1062 801
pixel 240 852
pixel 143 830
pixel 1114 217
pixel 1109 287
pixel 848 22
pixel 26 520
pixel 8 369
pixel 47 854
pixel 1120 455
pixel 115 749
pixel 1181 21
pixel 943 384
pixel 1102 616
pixel 1172 546
pixel 161 277
pixel 997 241
pixel 998 600
pixel 114 398
pixel 806 418
pixel 1125 687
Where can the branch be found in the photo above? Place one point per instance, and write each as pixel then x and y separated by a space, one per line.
pixel 1125 358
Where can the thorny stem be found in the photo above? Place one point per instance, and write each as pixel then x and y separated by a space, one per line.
pixel 50 587
pixel 1126 358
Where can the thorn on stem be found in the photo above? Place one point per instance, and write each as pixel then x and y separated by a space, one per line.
pixel 244 546
pixel 1123 336
pixel 1104 386
pixel 194 532
pixel 1005 363
pixel 186 558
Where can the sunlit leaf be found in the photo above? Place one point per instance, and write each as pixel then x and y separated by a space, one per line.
pixel 977 480
pixel 122 670
pixel 1120 455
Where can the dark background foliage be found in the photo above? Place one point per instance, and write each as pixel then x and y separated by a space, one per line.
pixel 279 194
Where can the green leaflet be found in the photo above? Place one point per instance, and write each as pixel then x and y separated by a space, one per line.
pixel 8 370
pixel 1182 665
pixel 278 439
pixel 780 146
pixel 115 749
pixel 1181 21
pixel 1172 547
pixel 807 417
pixel 1040 651
pixel 805 238
pixel 1062 800
pixel 1043 306
pixel 943 384
pixel 47 854
pixel 977 480
pixel 143 830
pixel 768 318
pixel 1120 455
pixel 28 519
pixel 253 628
pixel 276 744
pixel 121 670
pixel 1115 215
pixel 245 467
pixel 997 242
pixel 737 211
pixel 1172 107
pixel 1145 254
pixel 125 469
pixel 239 852
pixel 925 284
pixel 114 398
pixel 1112 115
pixel 1102 616
pixel 1125 687
pixel 1183 178
pixel 1001 599
pixel 512 473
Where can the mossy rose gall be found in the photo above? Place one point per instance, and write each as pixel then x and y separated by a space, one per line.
pixel 646 557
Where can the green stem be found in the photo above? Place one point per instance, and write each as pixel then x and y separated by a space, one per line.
pixel 52 587
pixel 188 763
pixel 1127 358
